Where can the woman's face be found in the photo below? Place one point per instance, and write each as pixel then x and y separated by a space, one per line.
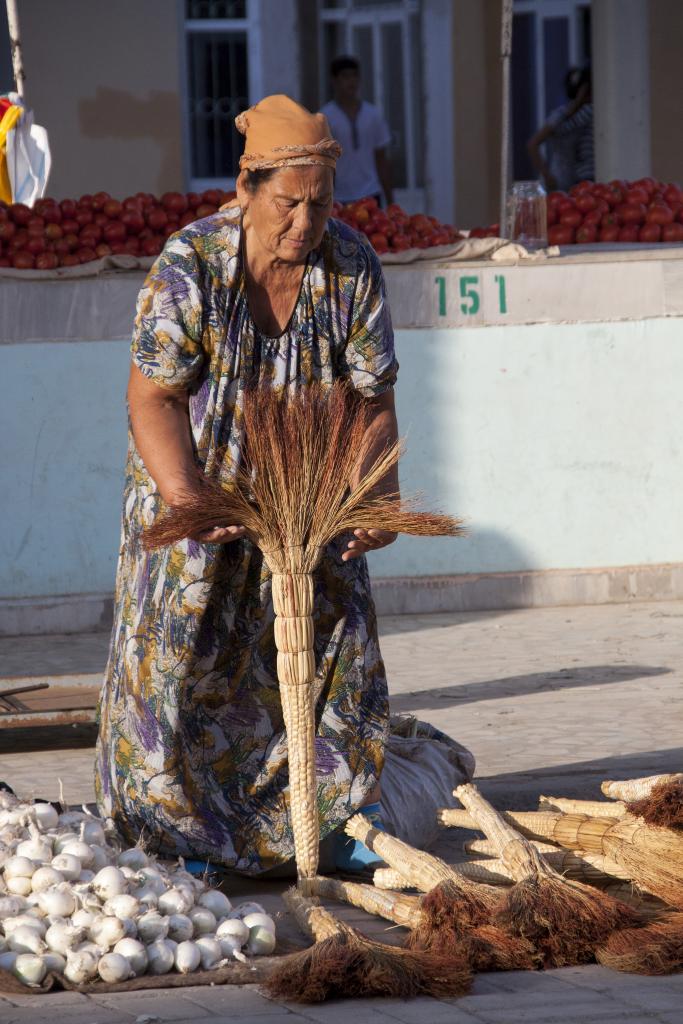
pixel 288 213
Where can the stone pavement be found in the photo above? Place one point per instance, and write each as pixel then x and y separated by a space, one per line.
pixel 550 700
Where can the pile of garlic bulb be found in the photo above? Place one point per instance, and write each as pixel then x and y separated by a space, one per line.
pixel 73 901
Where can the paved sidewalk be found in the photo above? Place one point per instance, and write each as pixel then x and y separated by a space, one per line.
pixel 549 700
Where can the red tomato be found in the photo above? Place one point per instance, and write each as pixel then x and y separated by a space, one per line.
pixel 585 202
pixel 115 231
pixel 35 244
pixel 194 200
pixel 49 211
pixel 132 203
pixel 551 216
pixel 205 210
pixel 630 213
pixel 70 226
pixel 636 194
pixel 554 198
pixel 629 233
pixel 212 196
pixel 132 246
pixel 91 234
pixel 400 243
pixel 47 261
pixel 152 246
pixel 86 254
pixel 85 202
pixel 112 208
pixel 72 240
pixel 68 208
pixel 187 218
pixel 20 213
pixel 594 217
pixel 157 219
pixel 379 242
pixel 99 199
pixel 564 204
pixel 53 231
pixel 133 221
pixel 648 184
pixel 561 234
pixel 672 233
pixel 36 226
pixel 119 249
pixel 660 214
pixel 175 202
pixel 650 233
pixel 22 260
pixel 83 217
pixel 7 229
pixel 61 246
pixel 609 233
pixel 587 233
pixel 571 218
pixel 673 194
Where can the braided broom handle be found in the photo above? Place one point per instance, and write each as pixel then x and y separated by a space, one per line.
pixel 293 604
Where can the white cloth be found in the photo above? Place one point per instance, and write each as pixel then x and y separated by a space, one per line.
pixel 356 169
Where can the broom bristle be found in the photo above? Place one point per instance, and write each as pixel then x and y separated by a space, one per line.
pixel 655 949
pixel 564 921
pixel 348 965
pixel 300 454
pixel 663 806
pixel 490 948
pixel 447 910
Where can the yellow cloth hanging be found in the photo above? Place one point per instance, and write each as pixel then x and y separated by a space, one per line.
pixel 9 120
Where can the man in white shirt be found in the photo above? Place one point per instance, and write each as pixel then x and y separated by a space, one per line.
pixel 363 168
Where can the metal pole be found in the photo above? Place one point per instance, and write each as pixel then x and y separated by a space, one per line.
pixel 15 43
pixel 505 52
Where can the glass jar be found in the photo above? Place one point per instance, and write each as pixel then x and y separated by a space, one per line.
pixel 527 221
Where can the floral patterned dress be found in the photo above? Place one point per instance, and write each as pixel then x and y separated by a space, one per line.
pixel 191 752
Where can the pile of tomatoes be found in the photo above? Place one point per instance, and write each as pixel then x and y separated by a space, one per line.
pixel 55 234
pixel 620 211
pixel 394 230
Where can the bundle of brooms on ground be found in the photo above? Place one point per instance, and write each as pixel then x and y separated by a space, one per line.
pixel 292 495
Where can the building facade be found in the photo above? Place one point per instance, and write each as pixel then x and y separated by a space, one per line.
pixel 142 96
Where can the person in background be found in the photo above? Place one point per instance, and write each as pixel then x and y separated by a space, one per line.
pixel 363 168
pixel 567 137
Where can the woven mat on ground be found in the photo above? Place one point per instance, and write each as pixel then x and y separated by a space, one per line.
pixel 252 973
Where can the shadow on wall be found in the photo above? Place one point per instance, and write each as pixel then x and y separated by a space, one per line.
pixel 117 114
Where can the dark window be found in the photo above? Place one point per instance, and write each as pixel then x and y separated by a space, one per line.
pixel 218 92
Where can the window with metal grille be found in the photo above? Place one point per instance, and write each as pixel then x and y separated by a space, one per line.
pixel 216 65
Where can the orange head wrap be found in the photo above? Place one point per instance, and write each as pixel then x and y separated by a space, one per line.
pixel 282 133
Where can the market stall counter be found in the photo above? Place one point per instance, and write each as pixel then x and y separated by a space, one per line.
pixel 540 399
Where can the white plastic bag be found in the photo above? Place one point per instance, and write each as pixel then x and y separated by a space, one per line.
pixel 28 160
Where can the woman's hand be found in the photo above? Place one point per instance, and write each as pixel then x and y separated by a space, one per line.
pixel 367 540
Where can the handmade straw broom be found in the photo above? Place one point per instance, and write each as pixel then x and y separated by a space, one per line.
pixel 451 895
pixel 456 912
pixel 343 963
pixel 292 495
pixel 564 920
pixel 596 808
pixel 484 947
pixel 657 799
pixel 655 949
pixel 648 854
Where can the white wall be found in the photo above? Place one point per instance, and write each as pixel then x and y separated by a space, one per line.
pixel 561 444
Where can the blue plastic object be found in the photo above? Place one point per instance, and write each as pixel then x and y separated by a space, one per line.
pixel 352 855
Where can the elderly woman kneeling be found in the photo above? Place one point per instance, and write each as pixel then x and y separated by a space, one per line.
pixel 191 751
